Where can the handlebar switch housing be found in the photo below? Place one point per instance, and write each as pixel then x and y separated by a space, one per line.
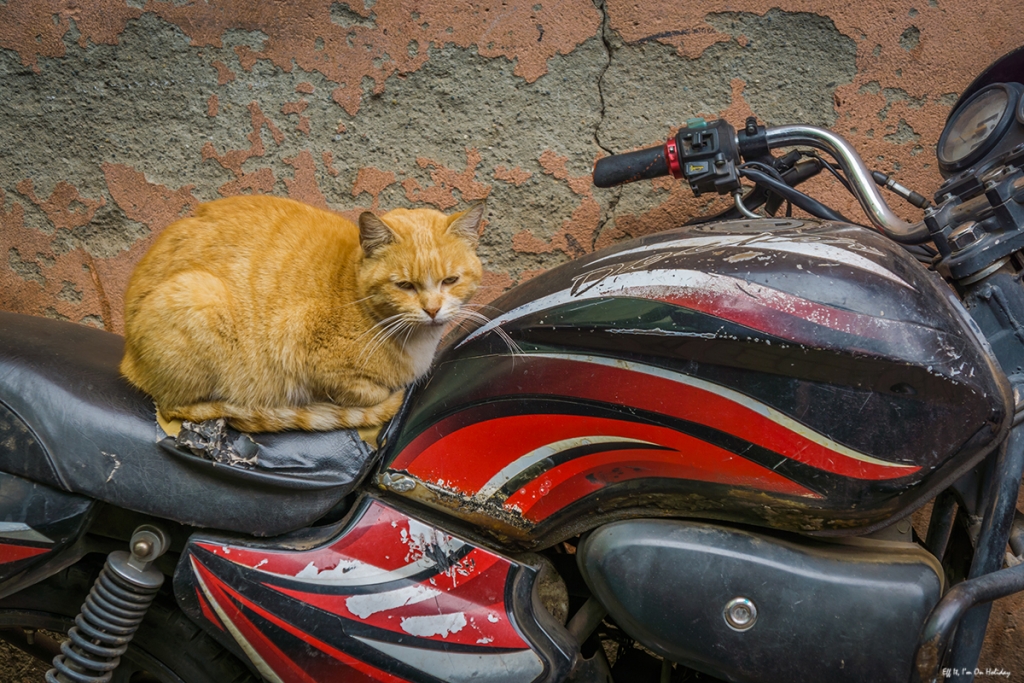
pixel 753 142
pixel 708 155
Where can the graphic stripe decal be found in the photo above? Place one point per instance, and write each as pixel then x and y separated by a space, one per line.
pixel 459 623
pixel 734 396
pixel 728 298
pixel 766 242
pixel 546 451
pixel 293 672
pixel 260 663
pixel 19 531
pixel 13 553
pixel 501 439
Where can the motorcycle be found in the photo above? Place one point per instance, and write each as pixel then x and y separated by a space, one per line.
pixel 690 455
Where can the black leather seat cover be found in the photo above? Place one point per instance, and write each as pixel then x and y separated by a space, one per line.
pixel 69 420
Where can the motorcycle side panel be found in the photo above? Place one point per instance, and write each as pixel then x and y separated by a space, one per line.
pixel 797 375
pixel 824 611
pixel 381 597
pixel 36 524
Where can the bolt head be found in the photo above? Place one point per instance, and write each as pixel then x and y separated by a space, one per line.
pixel 740 614
pixel 142 548
pixel 964 236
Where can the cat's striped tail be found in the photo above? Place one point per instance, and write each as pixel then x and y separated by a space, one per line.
pixel 313 417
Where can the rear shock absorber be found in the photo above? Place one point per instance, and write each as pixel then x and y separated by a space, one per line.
pixel 112 612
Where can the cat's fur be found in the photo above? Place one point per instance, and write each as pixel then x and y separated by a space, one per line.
pixel 277 315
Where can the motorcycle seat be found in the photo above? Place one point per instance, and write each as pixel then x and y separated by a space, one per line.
pixel 69 420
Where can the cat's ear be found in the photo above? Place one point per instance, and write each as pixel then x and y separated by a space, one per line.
pixel 467 224
pixel 373 233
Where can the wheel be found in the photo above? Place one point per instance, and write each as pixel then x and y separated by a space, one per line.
pixel 167 648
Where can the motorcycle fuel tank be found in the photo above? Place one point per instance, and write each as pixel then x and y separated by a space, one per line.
pixel 797 375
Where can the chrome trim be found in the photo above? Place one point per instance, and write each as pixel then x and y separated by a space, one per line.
pixel 879 213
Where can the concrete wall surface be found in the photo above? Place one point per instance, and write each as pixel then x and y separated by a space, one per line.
pixel 119 116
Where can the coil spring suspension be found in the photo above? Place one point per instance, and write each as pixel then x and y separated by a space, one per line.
pixel 112 612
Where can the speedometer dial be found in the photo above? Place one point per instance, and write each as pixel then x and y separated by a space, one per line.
pixel 976 127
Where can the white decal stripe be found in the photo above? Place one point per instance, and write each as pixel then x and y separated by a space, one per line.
pixel 462 667
pixel 734 396
pixel 22 532
pixel 368 604
pixel 430 625
pixel 669 279
pixel 347 571
pixel 830 253
pixel 768 242
pixel 355 573
pixel 543 303
pixel 250 651
pixel 509 471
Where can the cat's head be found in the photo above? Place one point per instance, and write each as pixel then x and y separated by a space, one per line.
pixel 419 264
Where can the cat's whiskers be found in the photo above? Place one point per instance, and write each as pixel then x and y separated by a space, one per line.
pixel 357 301
pixel 407 323
pixel 475 316
pixel 378 324
pixel 408 333
pixel 389 327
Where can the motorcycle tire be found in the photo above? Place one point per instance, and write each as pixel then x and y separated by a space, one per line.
pixel 167 648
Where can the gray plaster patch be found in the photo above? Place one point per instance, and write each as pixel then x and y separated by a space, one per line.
pixel 458 101
pixel 141 103
pixel 903 134
pixel 26 270
pixel 144 103
pixel 791 65
pixel 893 95
pixel 910 38
pixel 109 232
pixel 342 15
pixel 70 293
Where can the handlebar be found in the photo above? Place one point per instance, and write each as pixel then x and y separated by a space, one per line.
pixel 861 182
pixel 630 167
pixel 725 154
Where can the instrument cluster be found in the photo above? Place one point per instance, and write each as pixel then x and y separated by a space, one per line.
pixel 987 123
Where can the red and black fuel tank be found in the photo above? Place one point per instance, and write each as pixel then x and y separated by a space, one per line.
pixel 797 375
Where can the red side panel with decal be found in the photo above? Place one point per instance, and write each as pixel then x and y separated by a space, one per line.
pixel 386 598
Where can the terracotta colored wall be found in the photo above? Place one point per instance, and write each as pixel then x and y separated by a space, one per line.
pixel 118 116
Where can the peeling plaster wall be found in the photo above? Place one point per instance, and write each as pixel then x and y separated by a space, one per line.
pixel 119 116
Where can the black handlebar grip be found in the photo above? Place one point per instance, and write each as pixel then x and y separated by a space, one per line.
pixel 627 168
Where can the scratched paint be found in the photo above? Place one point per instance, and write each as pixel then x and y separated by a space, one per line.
pixel 434 625
pixel 366 605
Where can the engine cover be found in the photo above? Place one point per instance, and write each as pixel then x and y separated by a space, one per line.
pixel 756 608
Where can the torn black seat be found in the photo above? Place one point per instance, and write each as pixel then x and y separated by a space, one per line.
pixel 69 420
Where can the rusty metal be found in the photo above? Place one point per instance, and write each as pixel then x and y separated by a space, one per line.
pixel 943 621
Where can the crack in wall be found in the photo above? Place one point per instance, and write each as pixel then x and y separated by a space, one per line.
pixel 608 213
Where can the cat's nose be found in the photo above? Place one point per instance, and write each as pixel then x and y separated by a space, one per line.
pixel 432 312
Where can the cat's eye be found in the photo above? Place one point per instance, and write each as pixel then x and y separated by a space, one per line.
pixel 407 286
pixel 450 280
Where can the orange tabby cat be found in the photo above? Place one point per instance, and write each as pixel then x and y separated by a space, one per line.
pixel 277 315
